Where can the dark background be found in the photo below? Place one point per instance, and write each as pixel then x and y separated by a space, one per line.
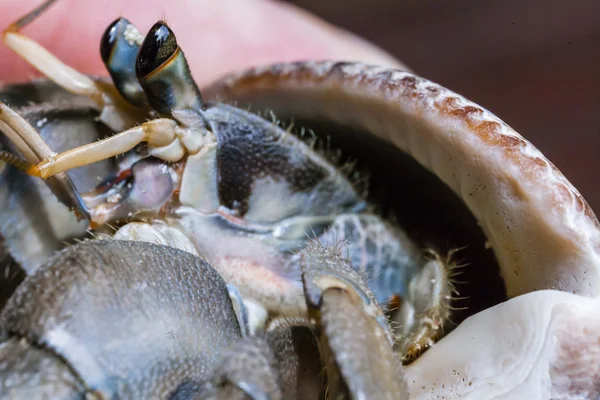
pixel 533 63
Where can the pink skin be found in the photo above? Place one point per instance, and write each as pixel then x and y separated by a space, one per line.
pixel 217 36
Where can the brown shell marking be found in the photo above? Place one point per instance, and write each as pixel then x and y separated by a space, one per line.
pixel 543 232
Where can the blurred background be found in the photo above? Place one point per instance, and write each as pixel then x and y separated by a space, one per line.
pixel 533 63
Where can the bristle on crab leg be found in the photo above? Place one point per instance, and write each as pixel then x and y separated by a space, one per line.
pixel 356 341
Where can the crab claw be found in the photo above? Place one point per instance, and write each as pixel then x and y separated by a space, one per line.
pixel 541 345
pixel 281 364
pixel 62 333
pixel 356 342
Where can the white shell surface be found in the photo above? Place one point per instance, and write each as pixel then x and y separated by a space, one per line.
pixel 542 345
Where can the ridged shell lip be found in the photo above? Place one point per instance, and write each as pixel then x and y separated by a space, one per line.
pixel 543 232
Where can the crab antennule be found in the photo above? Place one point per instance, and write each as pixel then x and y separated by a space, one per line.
pixel 119 48
pixel 163 72
pixel 340 304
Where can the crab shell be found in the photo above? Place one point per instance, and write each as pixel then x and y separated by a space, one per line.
pixel 544 235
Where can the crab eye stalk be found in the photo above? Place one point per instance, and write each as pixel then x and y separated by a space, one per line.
pixel 119 48
pixel 164 74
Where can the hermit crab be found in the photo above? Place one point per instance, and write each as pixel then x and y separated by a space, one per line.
pixel 196 243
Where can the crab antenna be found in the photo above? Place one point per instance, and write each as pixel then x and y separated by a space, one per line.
pixel 30 16
pixel 27 140
pixel 19 143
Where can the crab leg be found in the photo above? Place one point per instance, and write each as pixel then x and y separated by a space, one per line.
pixel 430 292
pixel 356 342
pixel 159 133
pixel 64 76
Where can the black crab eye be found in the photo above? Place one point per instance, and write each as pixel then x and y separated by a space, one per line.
pixel 119 48
pixel 109 39
pixel 164 74
pixel 158 47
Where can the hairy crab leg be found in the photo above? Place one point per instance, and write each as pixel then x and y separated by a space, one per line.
pixel 117 113
pixel 356 341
